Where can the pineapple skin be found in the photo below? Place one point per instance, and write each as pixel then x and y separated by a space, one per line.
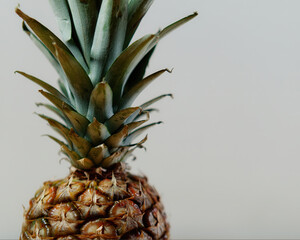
pixel 97 204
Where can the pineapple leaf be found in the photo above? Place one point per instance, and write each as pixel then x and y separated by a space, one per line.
pixel 97 154
pixel 116 139
pixel 46 86
pixel 134 125
pixel 58 127
pixel 139 72
pixel 55 100
pixel 47 38
pixel 138 132
pixel 81 146
pixel 79 81
pixel 154 100
pixel 146 112
pixel 62 13
pixel 55 139
pixel 176 24
pixel 109 37
pixel 84 15
pixel 101 103
pixel 43 49
pixel 85 163
pixel 73 156
pixel 131 95
pixel 43 33
pixel 120 118
pixel 78 121
pixel 114 158
pixel 97 132
pixel 52 109
pixel 138 144
pixel 121 69
pixel 61 129
pixel 63 88
pixel 136 11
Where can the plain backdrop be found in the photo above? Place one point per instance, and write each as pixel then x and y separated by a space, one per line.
pixel 227 159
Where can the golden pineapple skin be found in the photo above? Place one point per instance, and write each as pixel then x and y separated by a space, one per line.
pixel 97 204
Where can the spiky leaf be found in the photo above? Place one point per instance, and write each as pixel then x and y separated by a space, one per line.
pixel 45 85
pixel 79 81
pixel 97 154
pixel 109 37
pixel 64 20
pixel 117 120
pixel 97 132
pixel 116 139
pixel 84 15
pixel 136 11
pixel 101 103
pixel 81 145
pixel 132 93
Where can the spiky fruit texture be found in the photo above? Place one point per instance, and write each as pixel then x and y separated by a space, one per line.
pixel 100 76
pixel 99 204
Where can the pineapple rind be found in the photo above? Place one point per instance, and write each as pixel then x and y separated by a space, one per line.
pixel 97 204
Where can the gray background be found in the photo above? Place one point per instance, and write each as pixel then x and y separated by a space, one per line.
pixel 227 159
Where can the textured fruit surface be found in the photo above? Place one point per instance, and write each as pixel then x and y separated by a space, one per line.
pixel 99 204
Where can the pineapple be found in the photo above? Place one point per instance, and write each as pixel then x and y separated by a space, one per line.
pixel 100 76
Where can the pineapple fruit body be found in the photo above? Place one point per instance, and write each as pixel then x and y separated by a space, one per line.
pixel 97 204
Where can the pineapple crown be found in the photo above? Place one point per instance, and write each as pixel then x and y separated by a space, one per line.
pixel 100 76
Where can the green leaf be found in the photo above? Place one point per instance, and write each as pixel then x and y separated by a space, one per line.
pixel 85 163
pixel 63 88
pixel 55 100
pixel 154 100
pixel 136 11
pixel 176 24
pixel 114 158
pixel 85 15
pixel 78 121
pixel 79 81
pixel 120 118
pixel 55 139
pixel 121 69
pixel 132 93
pixel 116 139
pixel 97 154
pixel 52 109
pixel 82 146
pixel 138 144
pixel 146 112
pixel 62 14
pixel 73 156
pixel 101 103
pixel 58 127
pixel 51 58
pixel 97 132
pixel 47 38
pixel 43 33
pixel 46 86
pixel 134 125
pixel 61 129
pixel 139 72
pixel 138 132
pixel 109 37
